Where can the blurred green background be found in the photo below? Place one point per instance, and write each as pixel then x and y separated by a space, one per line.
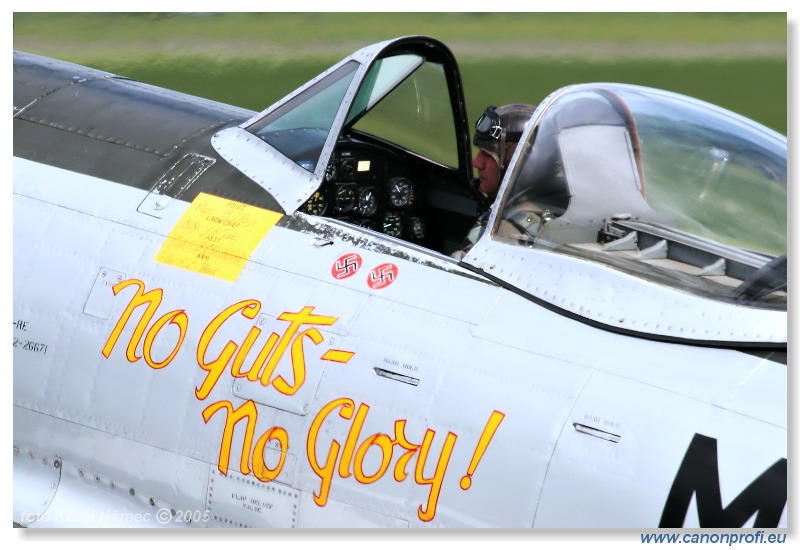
pixel 735 60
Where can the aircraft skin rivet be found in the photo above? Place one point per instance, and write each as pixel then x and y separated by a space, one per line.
pixel 97 479
pixel 152 501
pixel 113 485
pixel 80 472
pixel 16 450
pixel 30 455
pixel 53 485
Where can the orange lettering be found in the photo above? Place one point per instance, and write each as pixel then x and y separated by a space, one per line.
pixel 352 440
pixel 326 471
pixel 152 299
pixel 400 439
pixel 216 367
pixel 271 352
pixel 177 318
pixel 298 363
pixel 438 477
pixel 382 442
pixel 296 320
pixel 352 452
pixel 259 469
pixel 247 411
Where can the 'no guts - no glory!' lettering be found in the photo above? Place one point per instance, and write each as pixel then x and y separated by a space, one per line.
pixel 301 330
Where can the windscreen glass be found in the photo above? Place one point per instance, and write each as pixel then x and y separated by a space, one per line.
pixel 299 128
pixel 405 101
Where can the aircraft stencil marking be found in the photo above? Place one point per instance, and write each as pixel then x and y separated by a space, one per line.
pixel 26 344
pixel 216 236
pixel 346 265
pixel 30 345
pixel 382 276
pixel 241 504
pixel 101 300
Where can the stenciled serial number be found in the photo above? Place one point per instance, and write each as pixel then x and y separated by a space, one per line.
pixel 30 345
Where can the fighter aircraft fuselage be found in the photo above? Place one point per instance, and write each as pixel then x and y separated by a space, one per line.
pixel 196 345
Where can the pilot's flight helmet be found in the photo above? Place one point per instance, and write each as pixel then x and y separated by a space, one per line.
pixel 499 126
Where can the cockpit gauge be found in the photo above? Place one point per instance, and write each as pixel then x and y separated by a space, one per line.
pixel 417 228
pixel 399 192
pixel 331 171
pixel 346 169
pixel 316 205
pixel 345 198
pixel 392 224
pixel 367 202
pixel 412 195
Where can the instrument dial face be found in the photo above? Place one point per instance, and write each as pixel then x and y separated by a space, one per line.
pixel 346 169
pixel 317 204
pixel 345 198
pixel 417 228
pixel 367 202
pixel 392 224
pixel 399 192
pixel 331 171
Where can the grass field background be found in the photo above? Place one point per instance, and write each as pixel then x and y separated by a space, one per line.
pixel 736 60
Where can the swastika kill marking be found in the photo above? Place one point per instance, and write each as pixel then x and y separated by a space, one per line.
pixel 382 276
pixel 346 266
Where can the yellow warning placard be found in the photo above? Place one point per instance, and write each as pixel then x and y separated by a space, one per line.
pixel 216 236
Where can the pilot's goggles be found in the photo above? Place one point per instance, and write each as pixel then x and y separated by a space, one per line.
pixel 489 125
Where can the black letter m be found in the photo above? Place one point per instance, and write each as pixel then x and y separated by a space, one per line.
pixel 699 474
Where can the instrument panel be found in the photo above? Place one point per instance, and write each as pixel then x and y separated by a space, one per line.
pixel 371 187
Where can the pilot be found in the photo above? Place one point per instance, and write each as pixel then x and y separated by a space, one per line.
pixel 497 133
